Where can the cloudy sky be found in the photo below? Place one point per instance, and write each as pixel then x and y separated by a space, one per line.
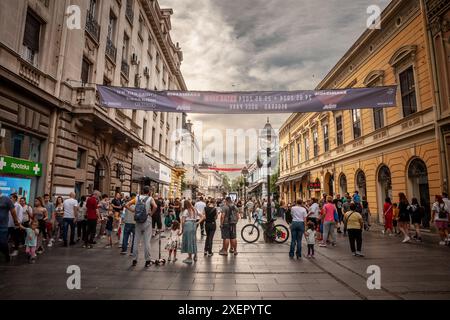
pixel 233 45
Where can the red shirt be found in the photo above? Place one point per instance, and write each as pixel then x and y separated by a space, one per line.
pixel 91 208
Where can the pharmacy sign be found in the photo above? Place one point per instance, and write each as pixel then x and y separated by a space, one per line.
pixel 18 166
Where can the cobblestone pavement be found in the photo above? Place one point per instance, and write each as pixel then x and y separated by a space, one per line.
pixel 260 271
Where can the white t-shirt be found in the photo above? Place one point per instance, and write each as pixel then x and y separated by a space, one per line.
pixel 192 217
pixel 310 236
pixel 436 208
pixel 200 206
pixel 19 214
pixel 298 214
pixel 314 210
pixel 69 208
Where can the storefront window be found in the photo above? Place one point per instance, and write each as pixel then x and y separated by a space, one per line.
pixel 18 144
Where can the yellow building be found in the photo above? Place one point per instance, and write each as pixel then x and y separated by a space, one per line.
pixel 379 152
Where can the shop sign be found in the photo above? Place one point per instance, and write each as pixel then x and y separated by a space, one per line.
pixel 164 173
pixel 10 165
pixel 314 185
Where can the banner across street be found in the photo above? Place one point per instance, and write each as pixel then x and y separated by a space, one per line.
pixel 252 102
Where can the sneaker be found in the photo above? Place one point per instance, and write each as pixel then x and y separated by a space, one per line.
pixel 168 260
pixel 83 246
pixel 231 250
pixel 123 253
pixel 147 264
pixel 14 253
pixel 223 253
pixel 383 232
pixel 210 254
pixel 333 244
pixel 60 240
pixel 50 244
pixel 107 246
pixel 406 239
pixel 187 261
pixel 235 253
pixel 354 254
pixel 359 254
pixel 90 246
pixel 134 263
pixel 442 243
pixel 323 245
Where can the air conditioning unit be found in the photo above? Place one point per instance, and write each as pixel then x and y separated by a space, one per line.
pixel 134 58
pixel 146 72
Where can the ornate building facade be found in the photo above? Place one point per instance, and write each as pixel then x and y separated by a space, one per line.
pixel 378 152
pixel 49 107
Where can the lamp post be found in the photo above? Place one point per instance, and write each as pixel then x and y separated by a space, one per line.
pixel 245 175
pixel 268 132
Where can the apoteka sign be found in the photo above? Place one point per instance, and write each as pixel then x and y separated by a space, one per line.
pixel 18 166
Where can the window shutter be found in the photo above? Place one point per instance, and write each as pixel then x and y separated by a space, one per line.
pixel 32 32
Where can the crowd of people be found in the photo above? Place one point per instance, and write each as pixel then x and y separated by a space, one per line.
pixel 128 221
pixel 351 216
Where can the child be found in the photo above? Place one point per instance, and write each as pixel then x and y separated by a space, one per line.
pixel 395 217
pixel 174 239
pixel 31 240
pixel 170 217
pixel 310 236
pixel 109 228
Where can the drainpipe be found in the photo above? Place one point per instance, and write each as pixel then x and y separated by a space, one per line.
pixel 56 112
pixel 432 60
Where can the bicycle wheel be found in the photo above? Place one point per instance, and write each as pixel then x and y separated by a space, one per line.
pixel 250 233
pixel 281 233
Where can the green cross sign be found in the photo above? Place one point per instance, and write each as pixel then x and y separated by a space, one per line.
pixel 20 166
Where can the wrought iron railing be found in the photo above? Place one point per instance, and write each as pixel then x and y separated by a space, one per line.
pixel 92 26
pixel 125 68
pixel 111 50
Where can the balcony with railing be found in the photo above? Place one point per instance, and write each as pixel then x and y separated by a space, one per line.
pixel 125 69
pixel 111 51
pixel 92 27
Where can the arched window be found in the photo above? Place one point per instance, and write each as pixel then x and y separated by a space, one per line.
pixel 342 184
pixel 361 183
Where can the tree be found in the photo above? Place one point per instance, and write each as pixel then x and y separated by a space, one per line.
pixel 226 183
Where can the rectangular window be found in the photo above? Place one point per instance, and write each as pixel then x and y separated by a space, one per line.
pixel 167 148
pixel 356 117
pixel 111 27
pixel 306 148
pixel 81 158
pixel 160 143
pixel 153 136
pixel 326 138
pixel 85 71
pixel 125 48
pixel 408 92
pixel 339 131
pixel 292 154
pixel 31 37
pixel 144 130
pixel 316 143
pixel 17 145
pixel 141 28
pixel 299 152
pixel 378 118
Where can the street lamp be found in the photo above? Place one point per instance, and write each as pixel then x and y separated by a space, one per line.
pixel 268 132
pixel 245 175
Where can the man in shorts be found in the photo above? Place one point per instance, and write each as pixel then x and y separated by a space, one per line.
pixel 228 222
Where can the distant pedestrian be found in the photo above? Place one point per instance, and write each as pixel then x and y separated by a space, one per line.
pixel 388 213
pixel 416 218
pixel 439 215
pixel 200 207
pixel 173 241
pixel 103 208
pixel 210 226
pixel 70 218
pixel 59 217
pixel 51 219
pixel 92 216
pixel 40 216
pixel 13 230
pixel 129 228
pixel 299 214
pixel 328 217
pixel 310 236
pixel 82 220
pixel 365 212
pixel 395 216
pixel 190 219
pixel 355 224
pixel 228 221
pixel 109 228
pixel 404 216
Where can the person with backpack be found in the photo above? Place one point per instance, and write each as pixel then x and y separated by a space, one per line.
pixel 354 224
pixel 228 221
pixel 144 208
pixel 416 218
pixel 439 215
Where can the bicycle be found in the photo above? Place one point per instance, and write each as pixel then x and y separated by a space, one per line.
pixel 276 232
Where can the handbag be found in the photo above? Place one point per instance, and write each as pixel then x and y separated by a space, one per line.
pixel 346 220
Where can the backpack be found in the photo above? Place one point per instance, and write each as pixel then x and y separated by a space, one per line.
pixel 140 211
pixel 288 216
pixel 232 215
pixel 442 212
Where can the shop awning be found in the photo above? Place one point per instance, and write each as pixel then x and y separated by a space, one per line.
pixel 254 187
pixel 281 180
pixel 295 177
